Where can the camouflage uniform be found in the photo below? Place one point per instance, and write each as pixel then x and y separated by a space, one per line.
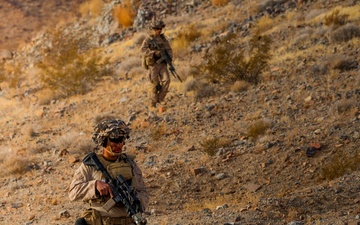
pixel 158 73
pixel 83 184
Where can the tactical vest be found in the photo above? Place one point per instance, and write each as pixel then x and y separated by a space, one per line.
pixel 122 166
pixel 151 60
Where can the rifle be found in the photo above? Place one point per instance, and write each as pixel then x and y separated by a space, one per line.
pixel 122 192
pixel 165 56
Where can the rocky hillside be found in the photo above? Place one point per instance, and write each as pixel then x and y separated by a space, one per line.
pixel 282 151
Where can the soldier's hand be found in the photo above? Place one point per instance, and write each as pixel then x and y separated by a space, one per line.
pixel 103 188
pixel 157 53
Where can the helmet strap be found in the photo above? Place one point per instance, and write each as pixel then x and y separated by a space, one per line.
pixel 109 150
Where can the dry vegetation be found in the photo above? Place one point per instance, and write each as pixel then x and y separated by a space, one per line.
pixel 231 140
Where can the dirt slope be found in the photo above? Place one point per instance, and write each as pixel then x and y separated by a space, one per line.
pixel 264 180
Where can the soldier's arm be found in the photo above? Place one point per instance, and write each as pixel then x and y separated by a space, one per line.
pixel 145 47
pixel 82 186
pixel 142 192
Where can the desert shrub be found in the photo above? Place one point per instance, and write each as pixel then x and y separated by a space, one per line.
pixel 92 7
pixel 2 71
pixel 201 89
pixel 240 86
pixel 210 145
pixel 228 63
pixel 257 128
pixel 344 106
pixel 124 14
pixel 340 164
pixel 219 2
pixel 185 37
pixel 335 19
pixel 11 72
pixel 129 63
pixel 265 23
pixel 12 163
pixel 157 132
pixel 67 70
pixel 345 33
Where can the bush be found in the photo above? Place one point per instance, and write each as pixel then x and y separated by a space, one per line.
pixel 185 37
pixel 12 73
pixel 335 19
pixel 157 132
pixel 210 145
pixel 345 33
pixel 200 89
pixel 228 63
pixel 124 14
pixel 67 70
pixel 257 128
pixel 340 164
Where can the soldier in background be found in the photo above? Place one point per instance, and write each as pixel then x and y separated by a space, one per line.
pixel 159 76
pixel 89 184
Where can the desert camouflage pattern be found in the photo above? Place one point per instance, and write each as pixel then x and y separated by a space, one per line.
pixel 110 128
pixel 157 24
pixel 159 75
pixel 82 187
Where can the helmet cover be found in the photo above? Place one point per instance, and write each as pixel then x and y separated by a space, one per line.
pixel 110 128
pixel 157 24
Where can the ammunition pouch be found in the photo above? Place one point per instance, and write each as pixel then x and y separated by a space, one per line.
pixel 144 64
pixel 150 61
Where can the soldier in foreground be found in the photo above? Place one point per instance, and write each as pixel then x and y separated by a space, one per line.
pixel 154 47
pixel 111 182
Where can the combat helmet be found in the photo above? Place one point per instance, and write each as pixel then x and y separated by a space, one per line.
pixel 157 24
pixel 110 128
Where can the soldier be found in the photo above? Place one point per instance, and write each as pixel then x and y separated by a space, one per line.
pixel 152 47
pixel 89 184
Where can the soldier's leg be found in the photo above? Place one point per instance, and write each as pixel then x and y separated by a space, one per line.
pixel 92 217
pixel 155 84
pixel 165 82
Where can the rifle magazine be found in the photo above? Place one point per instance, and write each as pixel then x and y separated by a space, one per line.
pixel 109 204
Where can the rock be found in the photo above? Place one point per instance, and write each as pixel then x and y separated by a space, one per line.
pixel 64 214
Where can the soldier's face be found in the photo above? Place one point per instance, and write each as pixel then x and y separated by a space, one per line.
pixel 157 31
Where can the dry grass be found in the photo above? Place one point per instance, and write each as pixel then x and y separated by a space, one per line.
pixel 124 14
pixel 257 128
pixel 265 23
pixel 211 145
pixel 219 2
pixel 158 131
pixel 45 96
pixel 213 203
pixel 345 33
pixel 126 66
pixel 340 164
pixel 14 162
pixel 185 37
pixel 240 86
pixel 92 8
